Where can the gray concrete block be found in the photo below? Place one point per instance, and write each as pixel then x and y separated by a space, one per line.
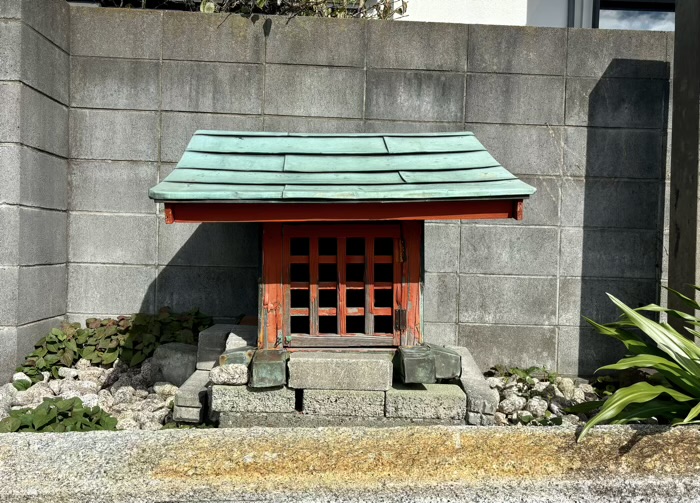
pixel 623 103
pixel 115 83
pixel 440 333
pixel 135 233
pixel 9 276
pixel 45 67
pixel 580 297
pixel 616 53
pixel 10 49
pixel 212 342
pixel 128 184
pixel 609 253
pixel 541 209
pixel 193 393
pixel 515 99
pixel 583 350
pixel 218 291
pixel 440 297
pixel 10 9
pixel 31 333
pixel 301 40
pixel 414 96
pixel 314 91
pixel 50 18
pixel 227 244
pixel 190 86
pixel 297 420
pixel 521 49
pixel 44 123
pixel 510 345
pixel 468 366
pixel 490 249
pixel 346 371
pixel 244 399
pixel 188 414
pixel 312 125
pixel 42 238
pixel 611 204
pixel 10 160
pixel 611 152
pixel 9 245
pixel 221 37
pixel 10 118
pixel 114 135
pixel 102 32
pixel 507 300
pixel 390 126
pixel 42 293
pixel 344 403
pixel 242 335
pixel 428 401
pixel 44 180
pixel 441 247
pixel 417 46
pixel 8 349
pixel 178 129
pixel 523 150
pixel 482 401
pixel 94 288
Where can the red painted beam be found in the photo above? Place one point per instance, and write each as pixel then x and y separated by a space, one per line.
pixel 339 212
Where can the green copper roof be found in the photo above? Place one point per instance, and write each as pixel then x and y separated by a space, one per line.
pixel 272 167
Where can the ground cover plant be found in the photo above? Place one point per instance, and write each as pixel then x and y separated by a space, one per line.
pixel 131 339
pixel 672 393
pixel 58 415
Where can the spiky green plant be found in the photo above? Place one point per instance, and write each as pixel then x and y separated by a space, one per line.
pixel 675 358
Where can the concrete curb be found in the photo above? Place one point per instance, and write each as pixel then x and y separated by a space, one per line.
pixel 432 463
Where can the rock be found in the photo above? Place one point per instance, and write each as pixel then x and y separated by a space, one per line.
pixel 7 397
pixel 543 388
pixel 152 405
pixel 495 382
pixel 176 361
pixel 55 386
pixel 165 390
pixel 510 392
pixel 123 381
pixel 111 376
pixel 537 406
pixel 67 373
pixel 90 400
pixel 512 404
pixel 140 393
pixel 150 372
pixel 21 377
pixel 557 406
pixel 83 364
pixel 586 388
pixel 46 376
pixel 150 425
pixel 500 419
pixel 106 400
pixel 571 419
pixel 123 395
pixel 127 424
pixel 578 396
pixel 566 386
pixel 93 374
pixel 35 394
pixel 524 416
pixel 232 374
pixel 78 388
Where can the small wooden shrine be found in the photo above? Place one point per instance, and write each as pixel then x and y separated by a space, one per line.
pixel 342 218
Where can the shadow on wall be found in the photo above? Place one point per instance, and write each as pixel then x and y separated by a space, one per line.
pixel 621 241
pixel 213 267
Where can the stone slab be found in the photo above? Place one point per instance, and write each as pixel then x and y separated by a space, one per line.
pixel 212 342
pixel 188 414
pixel 448 363
pixel 233 374
pixel 427 401
pixel 245 399
pixel 193 393
pixel 241 336
pixel 268 369
pixel 415 365
pixel 344 403
pixel 299 420
pixel 468 366
pixel 340 371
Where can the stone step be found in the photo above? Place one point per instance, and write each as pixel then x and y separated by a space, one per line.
pixel 370 371
pixel 426 401
pixel 242 399
pixel 350 403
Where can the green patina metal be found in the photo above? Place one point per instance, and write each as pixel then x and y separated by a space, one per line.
pixel 269 167
pixel 448 363
pixel 415 365
pixel 237 356
pixel 268 369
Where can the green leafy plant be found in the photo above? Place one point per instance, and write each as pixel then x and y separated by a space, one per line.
pixel 526 376
pixel 58 415
pixel 674 393
pixel 132 339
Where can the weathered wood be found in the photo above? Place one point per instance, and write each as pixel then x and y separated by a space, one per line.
pixel 337 341
pixel 286 145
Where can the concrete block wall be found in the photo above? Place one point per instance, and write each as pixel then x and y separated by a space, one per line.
pixel 580 114
pixel 34 89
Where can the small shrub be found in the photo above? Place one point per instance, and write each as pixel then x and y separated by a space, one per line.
pixel 674 393
pixel 131 339
pixel 58 415
pixel 526 376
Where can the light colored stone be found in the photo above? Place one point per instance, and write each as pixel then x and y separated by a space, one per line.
pixel 93 374
pixel 351 371
pixel 70 388
pixel 512 404
pixel 90 400
pixel 232 374
pixel 187 414
pixel 193 393
pixel 244 399
pixel 344 403
pixel 468 364
pixel 177 361
pixel 480 397
pixel 524 416
pixel 35 394
pixel 82 364
pixel 211 343
pixel 566 386
pixel 241 336
pixel 165 390
pixel 21 377
pixel 537 406
pixel 428 401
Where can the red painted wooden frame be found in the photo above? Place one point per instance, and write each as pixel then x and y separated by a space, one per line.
pixel 335 212
pixel 275 304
